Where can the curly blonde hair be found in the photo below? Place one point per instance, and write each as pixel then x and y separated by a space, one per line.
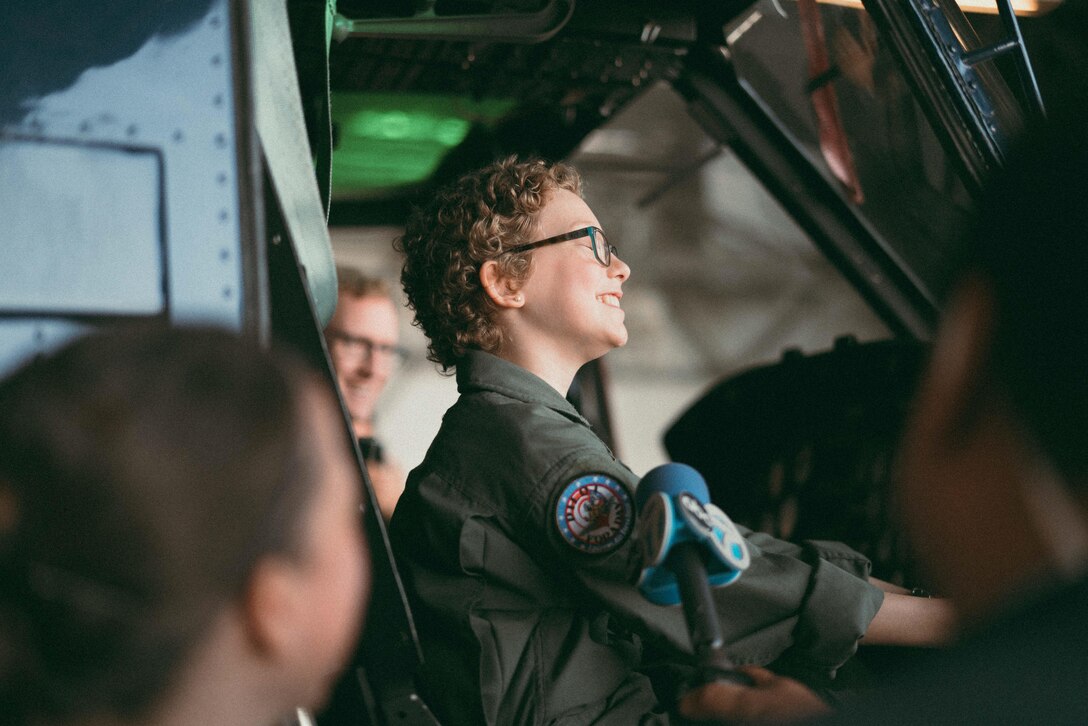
pixel 445 243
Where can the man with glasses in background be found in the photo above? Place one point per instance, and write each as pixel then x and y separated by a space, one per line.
pixel 363 337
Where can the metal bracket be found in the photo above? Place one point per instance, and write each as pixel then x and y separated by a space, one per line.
pixel 1014 43
pixel 963 62
pixel 532 27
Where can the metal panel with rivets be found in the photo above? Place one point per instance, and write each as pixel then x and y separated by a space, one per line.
pixel 127 188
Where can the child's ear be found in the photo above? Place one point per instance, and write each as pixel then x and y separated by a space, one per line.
pixel 500 288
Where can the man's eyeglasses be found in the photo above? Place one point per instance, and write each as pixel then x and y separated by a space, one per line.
pixel 602 251
pixel 357 346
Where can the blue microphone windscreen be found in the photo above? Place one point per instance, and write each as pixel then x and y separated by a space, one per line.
pixel 672 479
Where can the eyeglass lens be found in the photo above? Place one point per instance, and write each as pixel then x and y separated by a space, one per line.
pixel 601 249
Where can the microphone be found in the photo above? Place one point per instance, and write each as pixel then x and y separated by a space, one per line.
pixel 688 546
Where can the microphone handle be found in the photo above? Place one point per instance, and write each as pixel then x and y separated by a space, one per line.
pixel 701 615
pixel 699 610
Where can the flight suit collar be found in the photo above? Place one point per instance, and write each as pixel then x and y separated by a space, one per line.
pixel 480 371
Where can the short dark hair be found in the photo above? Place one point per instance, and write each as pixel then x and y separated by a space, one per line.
pixel 143 473
pixel 1030 244
pixel 466 224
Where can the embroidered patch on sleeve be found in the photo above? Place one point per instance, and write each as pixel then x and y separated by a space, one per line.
pixel 594 514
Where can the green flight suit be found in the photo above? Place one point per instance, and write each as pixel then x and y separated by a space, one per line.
pixel 523 624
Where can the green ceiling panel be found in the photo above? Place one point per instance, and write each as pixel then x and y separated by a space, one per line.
pixel 390 141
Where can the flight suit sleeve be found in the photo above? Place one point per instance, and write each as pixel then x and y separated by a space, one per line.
pixel 838 602
pixel 813 599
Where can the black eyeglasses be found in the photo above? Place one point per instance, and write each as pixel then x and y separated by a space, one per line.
pixel 602 251
pixel 356 346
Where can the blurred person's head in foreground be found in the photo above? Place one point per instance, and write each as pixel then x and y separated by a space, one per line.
pixel 995 479
pixel 179 533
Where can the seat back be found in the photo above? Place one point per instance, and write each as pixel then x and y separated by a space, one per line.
pixel 806 448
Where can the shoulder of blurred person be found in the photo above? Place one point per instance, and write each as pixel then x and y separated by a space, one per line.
pixel 179 534
pixel 388 478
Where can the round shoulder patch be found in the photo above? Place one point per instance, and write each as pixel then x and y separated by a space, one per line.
pixel 594 514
